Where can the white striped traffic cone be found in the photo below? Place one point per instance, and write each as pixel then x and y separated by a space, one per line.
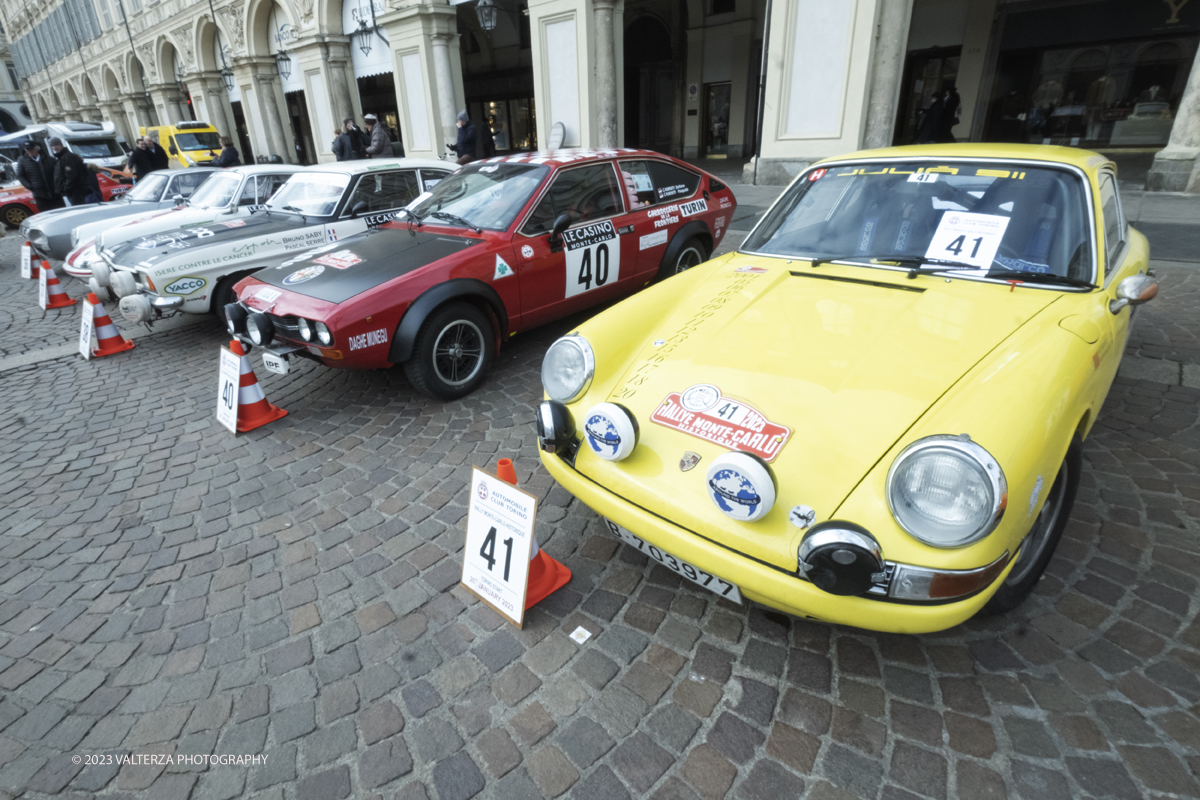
pixel 58 296
pixel 108 337
pixel 253 409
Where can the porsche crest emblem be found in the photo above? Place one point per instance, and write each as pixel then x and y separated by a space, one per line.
pixel 688 461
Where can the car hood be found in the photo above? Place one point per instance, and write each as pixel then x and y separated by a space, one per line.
pixel 845 358
pixel 336 272
pixel 71 217
pixel 261 232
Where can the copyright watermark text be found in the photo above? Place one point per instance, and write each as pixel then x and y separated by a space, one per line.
pixel 160 760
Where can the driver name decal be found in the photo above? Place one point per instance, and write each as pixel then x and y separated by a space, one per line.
pixel 593 257
pixel 702 411
pixel 368 339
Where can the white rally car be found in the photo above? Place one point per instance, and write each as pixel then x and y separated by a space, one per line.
pixel 234 193
pixel 194 269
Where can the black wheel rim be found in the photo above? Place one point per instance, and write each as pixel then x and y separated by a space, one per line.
pixel 458 352
pixel 1039 536
pixel 689 258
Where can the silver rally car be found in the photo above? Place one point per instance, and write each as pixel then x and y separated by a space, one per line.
pixel 193 269
pixel 50 232
pixel 231 194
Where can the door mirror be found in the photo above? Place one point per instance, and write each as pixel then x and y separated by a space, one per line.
pixel 178 200
pixel 358 208
pixel 1134 291
pixel 561 223
pixel 174 149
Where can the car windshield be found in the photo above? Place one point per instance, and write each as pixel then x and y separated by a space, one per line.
pixel 488 196
pixel 96 148
pixel 314 194
pixel 216 192
pixel 204 140
pixel 999 217
pixel 149 188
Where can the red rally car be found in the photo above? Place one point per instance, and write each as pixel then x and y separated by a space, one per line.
pixel 16 202
pixel 499 247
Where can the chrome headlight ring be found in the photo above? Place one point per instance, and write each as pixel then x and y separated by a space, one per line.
pixel 964 449
pixel 587 365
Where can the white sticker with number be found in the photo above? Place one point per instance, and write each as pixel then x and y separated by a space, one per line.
pixel 969 238
pixel 26 258
pixel 593 257
pixel 499 543
pixel 229 382
pixel 85 330
pixel 923 177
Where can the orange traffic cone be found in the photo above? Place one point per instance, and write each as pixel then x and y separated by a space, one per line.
pixel 58 295
pixel 253 409
pixel 107 335
pixel 545 574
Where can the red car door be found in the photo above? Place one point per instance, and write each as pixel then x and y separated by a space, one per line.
pixel 664 198
pixel 596 257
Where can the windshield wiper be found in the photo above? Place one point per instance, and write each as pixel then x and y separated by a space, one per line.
pixel 1029 276
pixel 943 265
pixel 295 210
pixel 446 215
pixel 413 216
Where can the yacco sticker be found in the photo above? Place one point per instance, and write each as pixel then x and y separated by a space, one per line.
pixel 503 270
pixel 342 259
pixel 369 339
pixel 702 411
pixel 185 286
pixel 527 251
pixel 694 207
pixel 302 275
pixel 652 240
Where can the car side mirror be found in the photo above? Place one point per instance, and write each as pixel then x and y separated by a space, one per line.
pixel 178 200
pixel 359 208
pixel 174 150
pixel 561 223
pixel 1134 291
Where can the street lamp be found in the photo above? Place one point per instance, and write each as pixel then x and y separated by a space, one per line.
pixel 486 11
pixel 284 62
pixel 364 34
pixel 227 76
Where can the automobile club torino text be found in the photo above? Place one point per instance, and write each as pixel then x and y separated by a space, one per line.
pixel 730 424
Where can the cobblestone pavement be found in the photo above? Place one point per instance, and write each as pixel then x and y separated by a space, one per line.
pixel 169 589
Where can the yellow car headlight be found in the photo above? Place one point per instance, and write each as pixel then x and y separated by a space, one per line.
pixel 568 368
pixel 946 491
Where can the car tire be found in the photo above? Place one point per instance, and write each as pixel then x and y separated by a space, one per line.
pixel 224 294
pixel 13 215
pixel 1040 542
pixel 452 353
pixel 690 255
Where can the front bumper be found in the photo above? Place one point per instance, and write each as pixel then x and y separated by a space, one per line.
pixel 763 583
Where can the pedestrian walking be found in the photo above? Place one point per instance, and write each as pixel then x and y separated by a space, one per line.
pixel 141 160
pixel 229 154
pixel 161 159
pixel 351 143
pixel 950 103
pixel 35 171
pixel 467 146
pixel 381 143
pixel 70 174
pixel 930 126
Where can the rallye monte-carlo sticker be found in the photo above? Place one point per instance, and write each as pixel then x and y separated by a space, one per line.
pixel 593 257
pixel 342 259
pixel 702 411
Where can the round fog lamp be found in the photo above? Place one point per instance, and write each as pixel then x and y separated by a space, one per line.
pixel 259 329
pixel 235 318
pixel 124 284
pixel 741 487
pixel 323 334
pixel 136 308
pixel 306 332
pixel 610 430
pixel 101 272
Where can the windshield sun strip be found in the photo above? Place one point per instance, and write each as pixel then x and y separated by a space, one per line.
pixel 1089 205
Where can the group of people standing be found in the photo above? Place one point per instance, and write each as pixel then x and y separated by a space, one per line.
pixel 937 120
pixel 56 180
pixel 352 143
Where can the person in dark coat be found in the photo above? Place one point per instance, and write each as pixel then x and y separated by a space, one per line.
pixel 161 159
pixel 229 154
pixel 141 160
pixel 35 171
pixel 931 121
pixel 70 174
pixel 348 146
pixel 95 194
pixel 950 103
pixel 467 146
pixel 381 143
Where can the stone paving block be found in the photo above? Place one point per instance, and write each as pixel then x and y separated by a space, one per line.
pixel 329 743
pixel 600 784
pixel 767 781
pixel 532 724
pixel 380 721
pixel 551 771
pixel 515 684
pixel 383 762
pixel 434 738
pixel 498 752
pixel 332 784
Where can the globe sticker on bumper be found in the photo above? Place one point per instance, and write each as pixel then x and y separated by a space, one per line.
pixel 702 411
pixel 740 486
pixel 302 275
pixel 610 431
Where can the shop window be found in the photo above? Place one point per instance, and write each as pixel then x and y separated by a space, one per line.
pixel 583 193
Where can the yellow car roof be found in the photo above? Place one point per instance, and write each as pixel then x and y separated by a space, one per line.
pixel 1088 160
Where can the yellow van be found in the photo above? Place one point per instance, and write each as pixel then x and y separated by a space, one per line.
pixel 189 144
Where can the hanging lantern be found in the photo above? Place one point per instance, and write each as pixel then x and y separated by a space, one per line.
pixel 486 11
pixel 227 76
pixel 284 63
pixel 363 34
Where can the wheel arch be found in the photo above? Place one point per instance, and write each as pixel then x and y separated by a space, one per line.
pixel 5 208
pixel 695 228
pixel 467 290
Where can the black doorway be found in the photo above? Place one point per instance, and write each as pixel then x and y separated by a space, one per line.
pixel 243 134
pixel 304 147
pixel 649 86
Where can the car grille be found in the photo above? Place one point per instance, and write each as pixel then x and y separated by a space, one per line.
pixel 286 328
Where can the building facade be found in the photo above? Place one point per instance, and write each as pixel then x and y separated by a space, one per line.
pixel 778 83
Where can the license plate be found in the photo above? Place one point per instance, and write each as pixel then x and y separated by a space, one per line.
pixel 275 363
pixel 696 575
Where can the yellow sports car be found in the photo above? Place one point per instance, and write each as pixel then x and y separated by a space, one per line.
pixel 872 413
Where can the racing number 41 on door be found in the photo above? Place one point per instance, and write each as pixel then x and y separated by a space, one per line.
pixel 499 542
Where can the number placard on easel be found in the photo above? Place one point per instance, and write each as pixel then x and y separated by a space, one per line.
pixel 227 392
pixel 499 543
pixel 43 290
pixel 26 261
pixel 86 327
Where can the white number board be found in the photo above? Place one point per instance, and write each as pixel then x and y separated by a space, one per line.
pixel 229 383
pixel 26 259
pixel 43 290
pixel 499 542
pixel 85 330
pixel 969 238
pixel 593 257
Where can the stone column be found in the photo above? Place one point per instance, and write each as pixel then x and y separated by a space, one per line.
pixel 111 111
pixel 168 101
pixel 138 111
pixel 606 74
pixel 444 78
pixel 211 101
pixel 1175 167
pixel 887 70
pixel 266 88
